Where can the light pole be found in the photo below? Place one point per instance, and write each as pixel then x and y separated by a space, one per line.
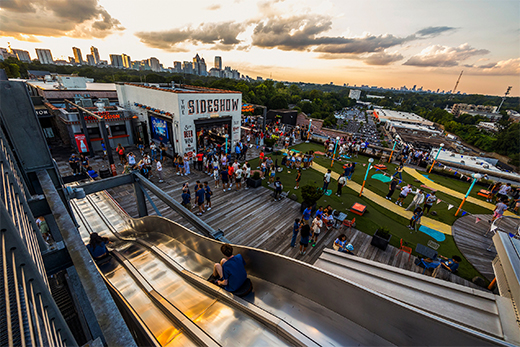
pixel 475 178
pixel 391 153
pixel 334 154
pixel 370 161
pixel 226 136
pixel 436 156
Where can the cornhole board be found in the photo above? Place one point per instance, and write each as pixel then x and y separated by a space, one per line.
pixel 319 153
pixel 380 166
pixel 358 209
pixel 484 193
pixel 426 187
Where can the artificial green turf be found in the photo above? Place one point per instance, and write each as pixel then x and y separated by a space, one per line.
pixel 376 215
pixel 458 185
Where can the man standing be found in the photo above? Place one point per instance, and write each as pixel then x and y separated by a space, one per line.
pixel 208 193
pixel 306 216
pixel 74 164
pixel 391 188
pixel 224 177
pixel 159 169
pixel 277 189
pixel 200 156
pixel 341 182
pixel 326 181
pixel 317 224
pixel 428 203
pixel 417 200
pixel 296 230
pixel 200 194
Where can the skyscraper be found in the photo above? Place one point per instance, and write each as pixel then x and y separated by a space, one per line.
pixel 44 56
pixel 218 63
pixel 127 63
pixel 22 55
pixel 177 66
pixel 95 53
pixel 116 60
pixel 154 64
pixel 78 58
pixel 90 60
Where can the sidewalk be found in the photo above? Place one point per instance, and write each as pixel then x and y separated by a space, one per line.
pixel 451 192
pixel 389 205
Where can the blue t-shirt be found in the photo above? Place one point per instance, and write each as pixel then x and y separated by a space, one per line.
pixel 208 192
pixel 319 213
pixel 235 272
pixel 200 195
pixel 185 198
pixel 307 213
pixel 98 251
pixel 224 174
pixel 451 264
pixel 296 227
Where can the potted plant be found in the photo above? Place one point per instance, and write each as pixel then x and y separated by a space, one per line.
pixel 381 238
pixel 254 181
pixel 310 195
pixel 269 144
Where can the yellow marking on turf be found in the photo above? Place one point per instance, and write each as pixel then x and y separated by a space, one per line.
pixel 389 205
pixel 452 192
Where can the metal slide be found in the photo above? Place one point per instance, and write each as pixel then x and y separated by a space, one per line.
pixel 159 267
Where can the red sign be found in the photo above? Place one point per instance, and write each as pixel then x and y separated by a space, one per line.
pixel 81 142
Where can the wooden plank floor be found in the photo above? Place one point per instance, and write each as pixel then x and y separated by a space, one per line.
pixel 252 218
pixel 472 241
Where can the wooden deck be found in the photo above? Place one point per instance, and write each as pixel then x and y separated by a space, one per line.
pixel 252 218
pixel 472 241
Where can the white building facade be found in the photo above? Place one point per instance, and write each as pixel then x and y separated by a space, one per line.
pixel 184 117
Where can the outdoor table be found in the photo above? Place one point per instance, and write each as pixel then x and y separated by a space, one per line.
pixel 426 251
pixel 339 219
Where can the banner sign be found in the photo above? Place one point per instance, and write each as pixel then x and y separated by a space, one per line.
pixel 81 142
pixel 159 129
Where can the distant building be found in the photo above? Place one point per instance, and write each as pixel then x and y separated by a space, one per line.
pixel 218 63
pixel 4 54
pixel 199 66
pixel 384 115
pixel 116 60
pixel 22 55
pixel 78 58
pixel 127 63
pixel 355 94
pixel 476 110
pixel 177 67
pixel 375 97
pixel 95 53
pixel 513 116
pixel 187 67
pixel 214 72
pixel 489 126
pixel 154 64
pixel 44 56
pixel 91 60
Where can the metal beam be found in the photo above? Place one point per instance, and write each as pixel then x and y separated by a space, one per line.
pixel 103 129
pixel 198 223
pixel 141 200
pixel 106 183
pixel 39 206
pixel 115 331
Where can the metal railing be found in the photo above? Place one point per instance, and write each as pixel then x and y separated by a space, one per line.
pixel 29 314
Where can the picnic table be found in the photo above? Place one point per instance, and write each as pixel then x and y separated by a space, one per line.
pixel 426 251
pixel 339 219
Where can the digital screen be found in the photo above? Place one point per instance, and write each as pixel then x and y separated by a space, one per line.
pixel 159 129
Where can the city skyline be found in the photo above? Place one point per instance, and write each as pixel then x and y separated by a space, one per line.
pixel 395 43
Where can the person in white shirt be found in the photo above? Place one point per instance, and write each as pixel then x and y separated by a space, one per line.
pixel 317 224
pixel 403 195
pixel 326 180
pixel 504 190
pixel 238 177
pixel 341 182
pixel 417 200
pixel 159 170
pixel 247 173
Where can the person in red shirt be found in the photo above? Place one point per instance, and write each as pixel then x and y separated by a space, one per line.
pixel 199 161
pixel 231 173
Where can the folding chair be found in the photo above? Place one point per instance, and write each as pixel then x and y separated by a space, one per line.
pixel 405 249
pixel 349 223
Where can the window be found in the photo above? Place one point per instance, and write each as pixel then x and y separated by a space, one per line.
pixel 94 133
pixel 118 129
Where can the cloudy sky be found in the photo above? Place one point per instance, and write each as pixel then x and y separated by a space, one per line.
pixel 388 43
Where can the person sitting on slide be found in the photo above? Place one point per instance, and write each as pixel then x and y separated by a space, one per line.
pixel 230 273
